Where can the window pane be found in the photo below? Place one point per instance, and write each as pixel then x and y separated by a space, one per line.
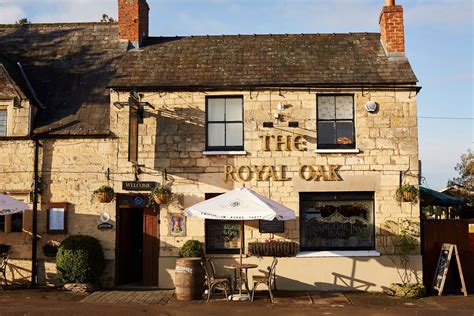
pixel 222 236
pixel 2 223
pixel 326 132
pixel 216 134
pixel 344 133
pixel 326 110
pixel 17 223
pixel 234 134
pixel 344 108
pixel 233 109
pixel 337 225
pixel 3 122
pixel 216 109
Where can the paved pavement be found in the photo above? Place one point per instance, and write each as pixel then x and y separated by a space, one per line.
pixel 159 302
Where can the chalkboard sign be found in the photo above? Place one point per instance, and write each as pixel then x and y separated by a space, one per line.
pixel 274 226
pixel 444 260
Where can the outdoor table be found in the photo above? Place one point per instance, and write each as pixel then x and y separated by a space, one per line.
pixel 241 280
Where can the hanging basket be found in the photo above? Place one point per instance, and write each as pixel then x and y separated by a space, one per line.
pixel 104 197
pixel 161 198
pixel 408 196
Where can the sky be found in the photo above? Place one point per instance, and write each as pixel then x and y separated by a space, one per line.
pixel 439 44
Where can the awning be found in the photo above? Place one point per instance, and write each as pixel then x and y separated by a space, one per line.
pixel 432 197
pixel 9 205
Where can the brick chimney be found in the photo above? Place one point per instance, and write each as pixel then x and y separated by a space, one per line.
pixel 133 20
pixel 391 29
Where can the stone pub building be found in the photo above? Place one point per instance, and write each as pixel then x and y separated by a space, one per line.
pixel 323 123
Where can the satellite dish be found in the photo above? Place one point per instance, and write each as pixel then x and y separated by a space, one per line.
pixel 371 106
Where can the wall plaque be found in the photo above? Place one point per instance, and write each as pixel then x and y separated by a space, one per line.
pixel 105 226
pixel 138 185
pixel 274 226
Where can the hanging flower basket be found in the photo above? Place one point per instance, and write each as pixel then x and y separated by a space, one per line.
pixel 104 194
pixel 161 195
pixel 273 249
pixel 407 193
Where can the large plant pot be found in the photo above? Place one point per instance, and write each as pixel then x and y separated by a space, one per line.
pixel 104 197
pixel 189 279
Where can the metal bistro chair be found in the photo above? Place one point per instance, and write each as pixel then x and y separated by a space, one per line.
pixel 268 280
pixel 3 267
pixel 218 276
pixel 214 283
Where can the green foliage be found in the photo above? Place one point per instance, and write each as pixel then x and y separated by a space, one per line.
pixel 23 21
pixel 107 18
pixel 465 182
pixel 410 189
pixel 401 244
pixel 80 259
pixel 192 249
pixel 160 190
pixel 409 290
pixel 104 189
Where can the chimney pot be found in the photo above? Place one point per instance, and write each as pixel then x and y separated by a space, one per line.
pixel 389 3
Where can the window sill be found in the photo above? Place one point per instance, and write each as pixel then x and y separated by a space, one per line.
pixel 338 253
pixel 224 152
pixel 337 151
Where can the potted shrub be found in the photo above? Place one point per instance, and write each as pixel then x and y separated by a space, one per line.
pixel 407 193
pixel 189 278
pixel 161 195
pixel 104 194
pixel 80 262
pixel 4 248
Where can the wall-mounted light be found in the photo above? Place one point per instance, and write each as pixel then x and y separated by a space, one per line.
pixel 371 106
pixel 119 105
pixel 280 106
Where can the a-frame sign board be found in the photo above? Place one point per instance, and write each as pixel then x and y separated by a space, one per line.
pixel 447 251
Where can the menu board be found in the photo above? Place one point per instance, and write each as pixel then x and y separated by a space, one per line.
pixel 447 251
pixel 274 226
pixel 57 218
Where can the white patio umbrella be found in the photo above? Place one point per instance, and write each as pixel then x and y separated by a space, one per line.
pixel 9 205
pixel 241 204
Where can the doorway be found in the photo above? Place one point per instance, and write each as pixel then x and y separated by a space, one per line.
pixel 137 242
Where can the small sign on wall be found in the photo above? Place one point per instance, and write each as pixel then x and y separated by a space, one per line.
pixel 57 218
pixel 177 224
pixel 471 228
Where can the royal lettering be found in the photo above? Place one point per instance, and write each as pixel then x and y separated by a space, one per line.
pixel 281 173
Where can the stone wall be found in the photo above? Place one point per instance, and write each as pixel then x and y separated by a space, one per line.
pixel 172 139
pixel 171 146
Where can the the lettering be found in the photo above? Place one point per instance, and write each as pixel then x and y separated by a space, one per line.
pixel 280 173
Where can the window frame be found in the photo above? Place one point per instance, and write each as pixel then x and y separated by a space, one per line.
pixel 333 196
pixel 2 109
pixel 335 120
pixel 218 251
pixel 225 122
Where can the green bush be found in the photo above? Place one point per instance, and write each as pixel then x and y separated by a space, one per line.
pixel 192 249
pixel 80 259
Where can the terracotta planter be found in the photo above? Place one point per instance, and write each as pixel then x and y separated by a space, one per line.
pixel 162 198
pixel 408 196
pixel 104 197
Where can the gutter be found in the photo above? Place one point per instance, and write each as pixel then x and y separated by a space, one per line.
pixel 391 87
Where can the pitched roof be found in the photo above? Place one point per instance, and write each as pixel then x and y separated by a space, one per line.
pixel 261 60
pixel 12 84
pixel 69 67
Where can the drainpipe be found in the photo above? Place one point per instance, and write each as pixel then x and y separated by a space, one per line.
pixel 34 241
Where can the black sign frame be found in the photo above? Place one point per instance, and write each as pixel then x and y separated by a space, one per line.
pixel 138 185
pixel 274 226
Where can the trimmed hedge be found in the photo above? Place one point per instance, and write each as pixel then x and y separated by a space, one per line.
pixel 80 259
